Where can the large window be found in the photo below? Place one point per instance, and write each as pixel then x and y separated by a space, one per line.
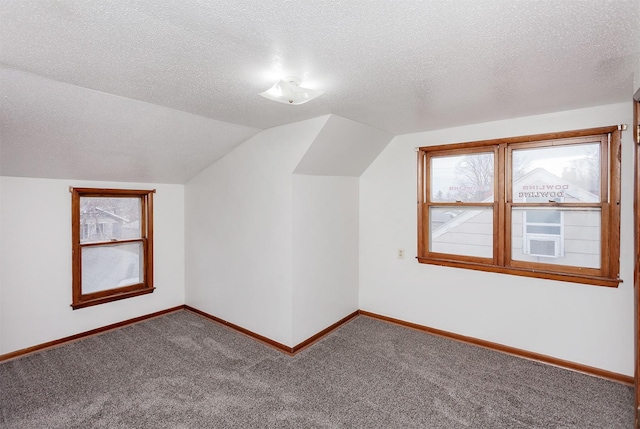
pixel 112 234
pixel 543 206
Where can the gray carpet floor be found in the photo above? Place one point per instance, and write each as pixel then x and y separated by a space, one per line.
pixel 183 371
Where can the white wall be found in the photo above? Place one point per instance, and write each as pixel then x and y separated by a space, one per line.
pixel 585 324
pixel 325 252
pixel 636 74
pixel 240 234
pixel 1 276
pixel 35 262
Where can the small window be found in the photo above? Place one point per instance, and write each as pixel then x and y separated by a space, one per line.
pixel 544 206
pixel 542 233
pixel 112 234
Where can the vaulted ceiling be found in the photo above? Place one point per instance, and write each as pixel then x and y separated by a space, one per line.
pixel 156 90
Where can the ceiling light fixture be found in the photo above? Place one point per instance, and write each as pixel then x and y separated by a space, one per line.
pixel 289 91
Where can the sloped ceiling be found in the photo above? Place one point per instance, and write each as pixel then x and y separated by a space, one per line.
pixel 188 73
pixel 343 148
pixel 61 131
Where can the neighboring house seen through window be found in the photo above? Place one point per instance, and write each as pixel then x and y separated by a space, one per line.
pixel 112 235
pixel 543 206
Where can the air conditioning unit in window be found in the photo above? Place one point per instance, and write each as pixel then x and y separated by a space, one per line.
pixel 547 246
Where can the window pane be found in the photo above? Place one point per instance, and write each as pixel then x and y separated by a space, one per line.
pixel 466 178
pixel 544 216
pixel 570 237
pixel 568 174
pixel 104 219
pixel 543 229
pixel 466 232
pixel 111 266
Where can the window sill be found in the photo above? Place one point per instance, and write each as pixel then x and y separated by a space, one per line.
pixel 110 298
pixel 540 274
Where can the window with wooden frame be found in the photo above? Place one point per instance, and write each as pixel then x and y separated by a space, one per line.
pixel 545 206
pixel 112 243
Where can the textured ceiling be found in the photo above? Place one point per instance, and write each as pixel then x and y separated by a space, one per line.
pixel 400 66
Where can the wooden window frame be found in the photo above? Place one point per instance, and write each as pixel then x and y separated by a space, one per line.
pixel 501 262
pixel 80 299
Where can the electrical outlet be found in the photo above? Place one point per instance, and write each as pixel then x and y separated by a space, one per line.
pixel 400 253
